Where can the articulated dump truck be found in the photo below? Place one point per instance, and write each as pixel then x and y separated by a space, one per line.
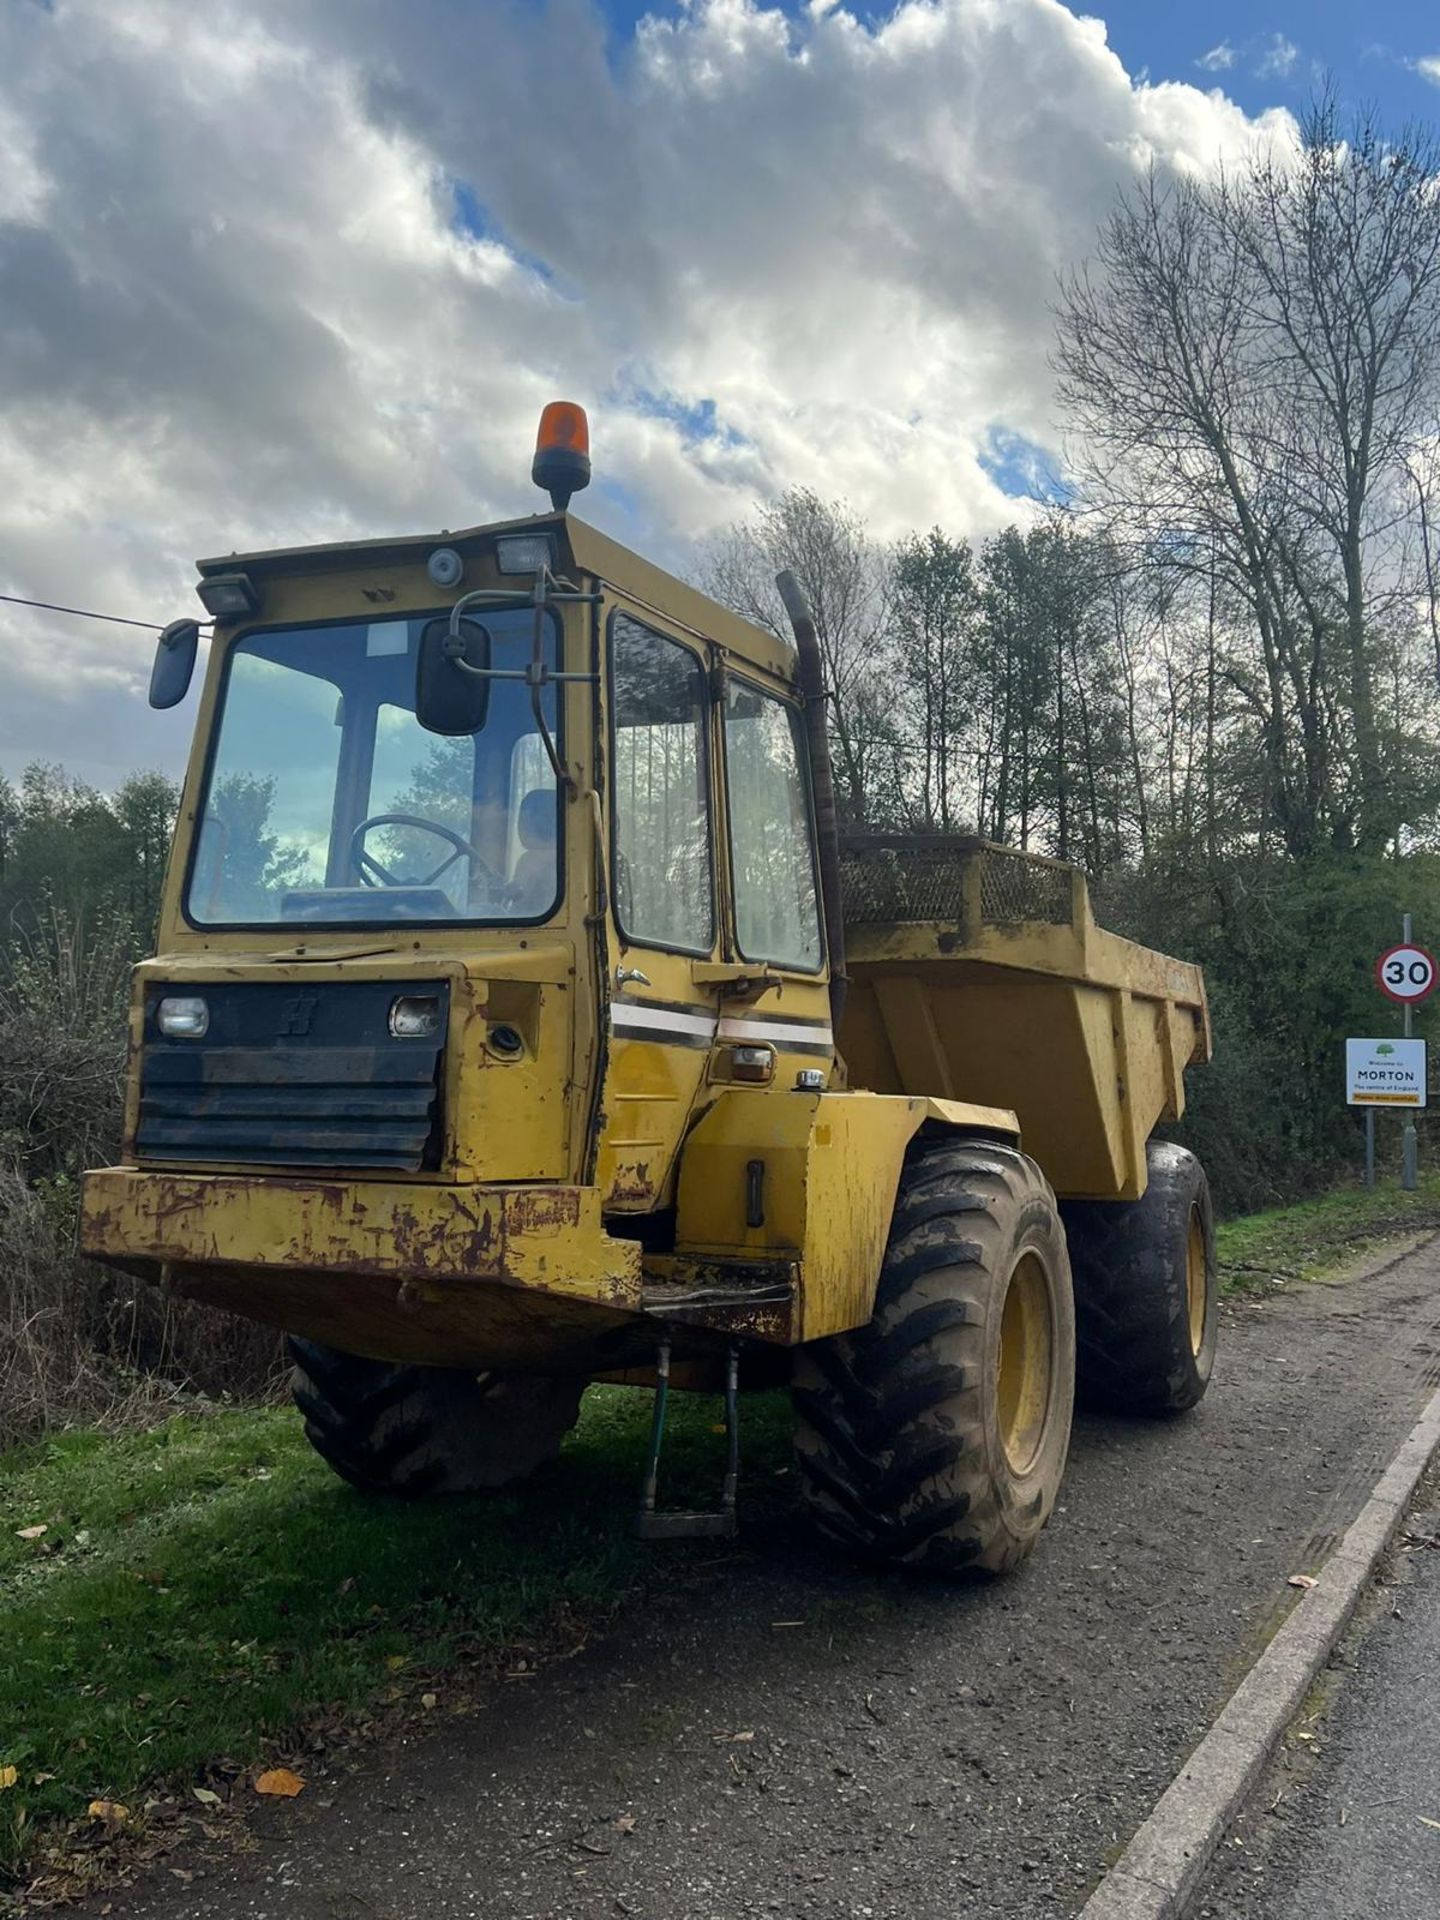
pixel 520 1019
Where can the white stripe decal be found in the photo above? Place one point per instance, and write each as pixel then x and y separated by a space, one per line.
pixel 775 1031
pixel 640 1020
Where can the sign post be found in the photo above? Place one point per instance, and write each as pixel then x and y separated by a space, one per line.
pixel 1384 1073
pixel 1406 974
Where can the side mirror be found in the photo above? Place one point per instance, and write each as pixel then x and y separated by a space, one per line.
pixel 174 663
pixel 452 683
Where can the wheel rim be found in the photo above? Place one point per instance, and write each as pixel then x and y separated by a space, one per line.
pixel 1027 1349
pixel 1196 1277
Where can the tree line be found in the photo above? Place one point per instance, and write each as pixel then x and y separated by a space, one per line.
pixel 1209 674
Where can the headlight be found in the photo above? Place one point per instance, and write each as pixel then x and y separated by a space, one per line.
pixel 414 1015
pixel 183 1016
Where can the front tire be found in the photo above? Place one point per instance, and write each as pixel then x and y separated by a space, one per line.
pixel 935 1437
pixel 1146 1291
pixel 427 1430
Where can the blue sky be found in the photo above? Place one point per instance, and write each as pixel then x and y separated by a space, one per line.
pixel 1369 47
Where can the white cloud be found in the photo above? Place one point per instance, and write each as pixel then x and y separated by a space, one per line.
pixel 237 307
pixel 1278 59
pixel 1219 59
pixel 1428 67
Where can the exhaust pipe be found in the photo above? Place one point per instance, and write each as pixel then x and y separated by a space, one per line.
pixel 822 785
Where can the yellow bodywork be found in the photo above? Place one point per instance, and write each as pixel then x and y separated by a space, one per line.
pixel 613 1178
pixel 821 1171
pixel 1085 1035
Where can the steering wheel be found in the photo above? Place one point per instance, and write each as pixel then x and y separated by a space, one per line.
pixel 372 874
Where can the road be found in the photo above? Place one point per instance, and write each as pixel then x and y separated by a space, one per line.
pixel 1347 1825
pixel 795 1738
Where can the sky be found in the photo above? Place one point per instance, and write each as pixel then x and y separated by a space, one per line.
pixel 283 271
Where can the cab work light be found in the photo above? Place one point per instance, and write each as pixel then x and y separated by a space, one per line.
pixel 229 596
pixel 523 552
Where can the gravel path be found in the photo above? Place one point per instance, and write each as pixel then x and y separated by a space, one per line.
pixel 793 1738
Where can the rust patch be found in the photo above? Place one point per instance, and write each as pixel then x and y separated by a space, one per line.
pixel 631 1184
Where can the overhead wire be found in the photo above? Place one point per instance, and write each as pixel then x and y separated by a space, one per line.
pixel 86 613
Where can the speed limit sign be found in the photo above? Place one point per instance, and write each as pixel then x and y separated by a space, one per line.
pixel 1406 974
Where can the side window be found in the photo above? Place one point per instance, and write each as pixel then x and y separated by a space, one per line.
pixel 777 914
pixel 663 890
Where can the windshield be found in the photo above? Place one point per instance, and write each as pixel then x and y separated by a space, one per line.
pixel 327 803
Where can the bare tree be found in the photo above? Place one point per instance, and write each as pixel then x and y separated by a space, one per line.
pixel 846 578
pixel 1248 361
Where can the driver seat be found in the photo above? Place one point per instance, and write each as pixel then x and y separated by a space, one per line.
pixel 533 883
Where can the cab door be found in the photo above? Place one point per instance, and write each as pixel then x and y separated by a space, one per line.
pixel 663 909
pixel 780 1001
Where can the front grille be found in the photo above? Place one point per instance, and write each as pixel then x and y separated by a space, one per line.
pixel 285 1077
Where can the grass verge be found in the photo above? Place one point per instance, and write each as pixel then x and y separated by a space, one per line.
pixel 1313 1237
pixel 206 1588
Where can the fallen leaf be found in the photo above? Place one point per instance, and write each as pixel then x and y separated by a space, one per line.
pixel 1428 1823
pixel 733 1736
pixel 1301 1580
pixel 110 1811
pixel 30 1533
pixel 395 1661
pixel 280 1781
pixel 429 1700
pixel 625 1823
pixel 206 1796
pixel 8 1777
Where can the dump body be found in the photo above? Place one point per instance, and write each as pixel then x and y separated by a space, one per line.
pixel 979 974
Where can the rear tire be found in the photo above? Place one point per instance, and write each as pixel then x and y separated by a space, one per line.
pixel 421 1430
pixel 935 1437
pixel 1146 1290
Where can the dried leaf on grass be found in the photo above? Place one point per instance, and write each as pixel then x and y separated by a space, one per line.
pixel 8 1776
pixel 281 1782
pixel 206 1796
pixel 110 1811
pixel 30 1533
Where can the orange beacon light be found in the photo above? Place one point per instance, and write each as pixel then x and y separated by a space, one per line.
pixel 562 452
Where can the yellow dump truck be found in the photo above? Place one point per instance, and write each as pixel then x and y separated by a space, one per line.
pixel 520 1020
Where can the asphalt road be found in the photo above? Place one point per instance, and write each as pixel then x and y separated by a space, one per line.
pixel 793 1738
pixel 1347 1825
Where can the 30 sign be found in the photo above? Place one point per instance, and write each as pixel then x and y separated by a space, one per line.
pixel 1406 974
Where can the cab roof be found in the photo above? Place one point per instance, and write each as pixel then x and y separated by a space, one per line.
pixel 582 549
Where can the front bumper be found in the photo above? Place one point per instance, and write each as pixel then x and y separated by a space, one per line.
pixel 443 1275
